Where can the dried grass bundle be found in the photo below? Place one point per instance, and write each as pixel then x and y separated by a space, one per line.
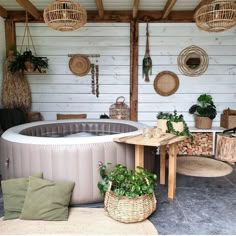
pixel 15 89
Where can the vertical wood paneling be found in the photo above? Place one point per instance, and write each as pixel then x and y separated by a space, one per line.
pixel 166 42
pixel 60 91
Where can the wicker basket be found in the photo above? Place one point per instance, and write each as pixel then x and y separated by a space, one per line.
pixel 227 121
pixel 203 122
pixel 119 110
pixel 127 209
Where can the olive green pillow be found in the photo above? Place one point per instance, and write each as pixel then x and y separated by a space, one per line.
pixel 47 200
pixel 14 191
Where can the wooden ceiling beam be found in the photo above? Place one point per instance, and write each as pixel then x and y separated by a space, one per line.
pixel 168 7
pixel 118 16
pixel 3 12
pixel 29 7
pixel 135 9
pixel 100 8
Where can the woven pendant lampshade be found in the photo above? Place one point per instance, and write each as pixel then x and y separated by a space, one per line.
pixel 65 15
pixel 217 15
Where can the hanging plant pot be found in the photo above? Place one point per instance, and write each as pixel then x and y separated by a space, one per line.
pixel 147 61
pixel 27 61
pixel 29 66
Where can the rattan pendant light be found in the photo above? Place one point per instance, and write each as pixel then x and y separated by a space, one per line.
pixel 216 15
pixel 65 15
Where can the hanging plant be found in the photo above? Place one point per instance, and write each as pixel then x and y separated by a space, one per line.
pixel 147 61
pixel 26 61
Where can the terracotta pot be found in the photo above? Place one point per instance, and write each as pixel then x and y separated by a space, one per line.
pixel 29 66
pixel 203 122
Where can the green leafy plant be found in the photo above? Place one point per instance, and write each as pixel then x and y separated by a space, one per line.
pixel 205 107
pixel 131 183
pixel 174 117
pixel 19 64
pixel 104 116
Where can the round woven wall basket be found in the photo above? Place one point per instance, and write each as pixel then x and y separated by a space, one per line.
pixel 79 65
pixel 192 52
pixel 166 83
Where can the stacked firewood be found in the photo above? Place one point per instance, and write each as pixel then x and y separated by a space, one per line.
pixel 201 145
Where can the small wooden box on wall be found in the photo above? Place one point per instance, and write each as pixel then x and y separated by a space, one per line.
pixel 228 119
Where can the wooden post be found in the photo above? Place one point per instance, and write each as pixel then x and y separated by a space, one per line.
pixel 10 35
pixel 134 70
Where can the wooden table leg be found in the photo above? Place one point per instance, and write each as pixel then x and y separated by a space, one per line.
pixel 162 164
pixel 139 155
pixel 172 170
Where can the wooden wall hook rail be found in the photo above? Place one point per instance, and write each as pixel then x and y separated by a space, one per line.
pixel 87 55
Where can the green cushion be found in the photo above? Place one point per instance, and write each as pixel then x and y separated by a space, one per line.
pixel 47 200
pixel 14 191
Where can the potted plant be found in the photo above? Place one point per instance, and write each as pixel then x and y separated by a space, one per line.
pixel 125 190
pixel 204 111
pixel 27 62
pixel 104 116
pixel 173 123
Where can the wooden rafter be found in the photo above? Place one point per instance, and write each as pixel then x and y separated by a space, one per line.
pixel 100 8
pixel 3 12
pixel 135 9
pixel 29 7
pixel 118 16
pixel 168 7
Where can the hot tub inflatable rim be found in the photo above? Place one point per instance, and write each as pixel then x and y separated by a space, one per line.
pixel 13 134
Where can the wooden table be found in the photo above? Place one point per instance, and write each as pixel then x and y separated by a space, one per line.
pixel 166 139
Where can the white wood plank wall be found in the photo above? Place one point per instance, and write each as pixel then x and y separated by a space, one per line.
pixel 167 40
pixel 60 91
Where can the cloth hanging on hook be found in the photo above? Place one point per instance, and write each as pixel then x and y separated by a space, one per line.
pixel 147 61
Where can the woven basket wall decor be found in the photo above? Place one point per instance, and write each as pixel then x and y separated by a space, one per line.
pixel 193 52
pixel 79 65
pixel 166 83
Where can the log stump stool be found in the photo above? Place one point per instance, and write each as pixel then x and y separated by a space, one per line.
pixel 226 147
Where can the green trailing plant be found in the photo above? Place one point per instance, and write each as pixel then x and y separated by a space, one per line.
pixel 205 107
pixel 174 117
pixel 130 183
pixel 19 64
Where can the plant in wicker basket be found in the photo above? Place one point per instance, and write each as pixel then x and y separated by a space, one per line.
pixel 129 194
pixel 204 110
pixel 173 123
pixel 27 62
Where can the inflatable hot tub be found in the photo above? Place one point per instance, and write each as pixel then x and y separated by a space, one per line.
pixel 67 150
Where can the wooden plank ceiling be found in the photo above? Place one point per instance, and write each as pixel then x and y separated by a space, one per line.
pixel 109 11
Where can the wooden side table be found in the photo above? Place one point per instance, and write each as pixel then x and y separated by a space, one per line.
pixel 166 139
